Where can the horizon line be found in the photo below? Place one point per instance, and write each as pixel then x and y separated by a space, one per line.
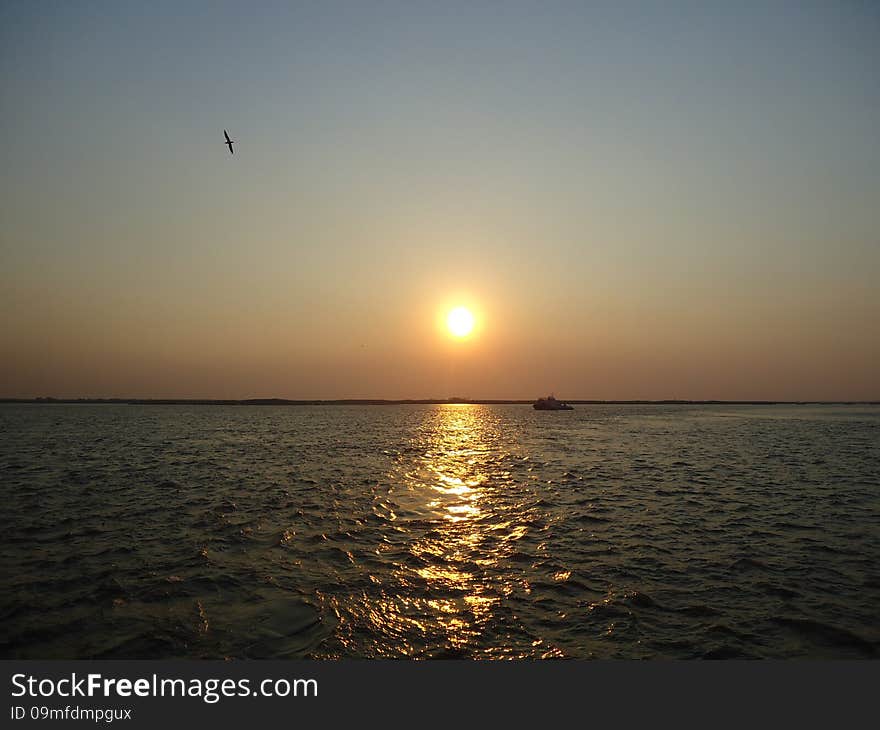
pixel 416 401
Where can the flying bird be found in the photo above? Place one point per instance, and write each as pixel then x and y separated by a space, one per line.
pixel 228 142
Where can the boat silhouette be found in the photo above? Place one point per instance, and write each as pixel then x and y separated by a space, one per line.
pixel 551 404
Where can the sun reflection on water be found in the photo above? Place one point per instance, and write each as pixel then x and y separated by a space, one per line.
pixel 455 479
pixel 466 527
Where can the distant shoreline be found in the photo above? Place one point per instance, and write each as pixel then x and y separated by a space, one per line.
pixel 423 401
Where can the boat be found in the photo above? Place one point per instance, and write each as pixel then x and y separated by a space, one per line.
pixel 551 404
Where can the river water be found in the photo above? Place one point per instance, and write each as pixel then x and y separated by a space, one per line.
pixel 465 531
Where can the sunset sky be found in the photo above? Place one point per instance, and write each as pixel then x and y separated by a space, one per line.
pixel 634 200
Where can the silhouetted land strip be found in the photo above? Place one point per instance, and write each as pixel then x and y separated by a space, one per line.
pixel 424 401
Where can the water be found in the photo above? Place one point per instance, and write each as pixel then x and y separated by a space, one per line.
pixel 439 531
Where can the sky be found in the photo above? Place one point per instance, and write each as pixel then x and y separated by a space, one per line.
pixel 635 200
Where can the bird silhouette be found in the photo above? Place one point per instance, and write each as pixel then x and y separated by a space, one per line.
pixel 228 142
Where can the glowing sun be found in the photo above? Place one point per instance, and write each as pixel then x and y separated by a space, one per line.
pixel 460 321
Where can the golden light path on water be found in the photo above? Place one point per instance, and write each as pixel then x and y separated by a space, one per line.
pixel 452 480
pixel 457 485
pixel 451 576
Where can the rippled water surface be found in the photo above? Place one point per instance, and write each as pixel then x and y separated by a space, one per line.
pixel 439 531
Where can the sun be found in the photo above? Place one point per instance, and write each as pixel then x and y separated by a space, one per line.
pixel 460 321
